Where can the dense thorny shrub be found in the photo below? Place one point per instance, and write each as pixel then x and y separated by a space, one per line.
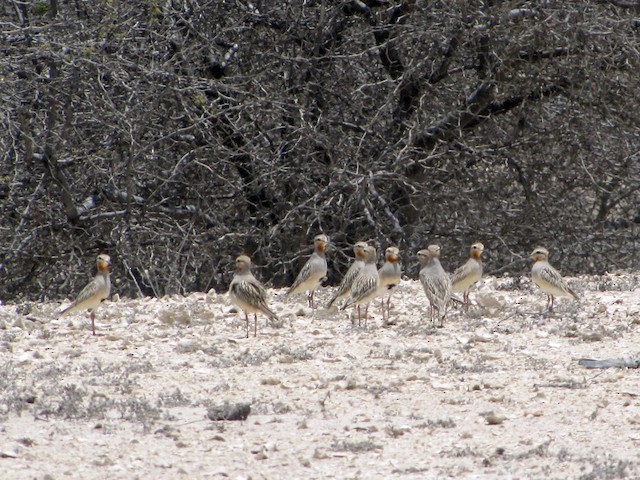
pixel 176 135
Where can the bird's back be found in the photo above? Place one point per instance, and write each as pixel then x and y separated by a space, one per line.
pixel 311 274
pixel 365 285
pixel 249 294
pixel 436 284
pixel 390 274
pixel 347 281
pixel 466 275
pixel 550 280
pixel 91 295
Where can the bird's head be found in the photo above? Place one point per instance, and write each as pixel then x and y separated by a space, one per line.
pixel 103 261
pixel 476 250
pixel 243 263
pixel 540 254
pixel 358 249
pixel 391 254
pixel 320 242
pixel 370 254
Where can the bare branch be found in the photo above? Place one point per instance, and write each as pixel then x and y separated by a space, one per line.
pixel 459 119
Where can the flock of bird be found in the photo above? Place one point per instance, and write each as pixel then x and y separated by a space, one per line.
pixel 362 282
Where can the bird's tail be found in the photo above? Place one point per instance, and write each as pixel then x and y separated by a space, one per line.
pixel 332 301
pixel 347 304
pixel 271 314
pixel 65 310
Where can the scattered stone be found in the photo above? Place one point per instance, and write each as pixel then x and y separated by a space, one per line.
pixel 442 385
pixel 27 442
pixel 188 345
pixel 8 454
pixel 319 454
pixel 236 411
pixel 24 309
pixel 592 336
pixel 633 362
pixel 487 300
pixel 270 381
pixel 493 418
pixel 179 315
pixel 480 336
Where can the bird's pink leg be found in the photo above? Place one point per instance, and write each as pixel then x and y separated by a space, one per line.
pixel 310 299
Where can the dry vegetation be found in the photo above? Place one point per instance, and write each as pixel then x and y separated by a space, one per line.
pixel 175 134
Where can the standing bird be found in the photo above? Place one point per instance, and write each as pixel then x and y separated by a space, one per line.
pixel 466 275
pixel 94 293
pixel 435 281
pixel 548 278
pixel 389 277
pixel 247 293
pixel 313 272
pixel 365 285
pixel 345 285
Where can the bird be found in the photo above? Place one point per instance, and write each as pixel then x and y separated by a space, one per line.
pixel 467 274
pixel 365 285
pixel 435 281
pixel 389 276
pixel 548 278
pixel 94 292
pixel 247 293
pixel 313 272
pixel 345 285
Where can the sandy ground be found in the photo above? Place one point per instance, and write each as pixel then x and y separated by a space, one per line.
pixel 496 393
